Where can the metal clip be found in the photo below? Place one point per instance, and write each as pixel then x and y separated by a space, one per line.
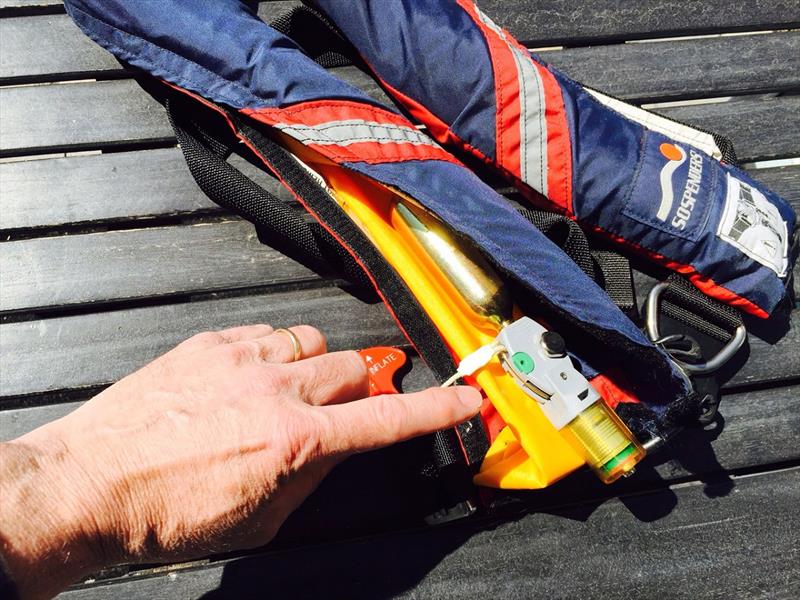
pixel 724 355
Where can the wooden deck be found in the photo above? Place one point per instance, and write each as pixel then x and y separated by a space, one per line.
pixel 110 255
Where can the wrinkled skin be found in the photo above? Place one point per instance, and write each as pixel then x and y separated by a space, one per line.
pixel 206 449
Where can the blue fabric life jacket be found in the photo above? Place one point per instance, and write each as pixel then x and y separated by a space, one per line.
pixel 568 147
pixel 659 188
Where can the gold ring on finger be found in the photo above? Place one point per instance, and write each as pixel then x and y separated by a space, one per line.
pixel 297 349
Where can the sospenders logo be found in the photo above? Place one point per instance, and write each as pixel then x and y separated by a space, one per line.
pixel 675 156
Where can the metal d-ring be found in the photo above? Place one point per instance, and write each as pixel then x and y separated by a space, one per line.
pixel 720 358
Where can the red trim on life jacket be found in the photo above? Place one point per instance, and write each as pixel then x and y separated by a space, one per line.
pixel 370 152
pixel 559 147
pixel 377 152
pixel 507 96
pixel 506 83
pixel 611 391
pixel 702 282
pixel 316 112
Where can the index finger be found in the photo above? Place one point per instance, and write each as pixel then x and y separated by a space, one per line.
pixel 380 421
pixel 330 378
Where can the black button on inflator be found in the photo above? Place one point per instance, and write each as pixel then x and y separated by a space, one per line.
pixel 554 344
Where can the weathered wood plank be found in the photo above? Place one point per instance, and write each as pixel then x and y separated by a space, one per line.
pixel 107 187
pixel 696 549
pixel 591 21
pixel 695 68
pixel 140 263
pixel 56 4
pixel 95 349
pixel 88 350
pixel 156 183
pixel 551 22
pixel 759 429
pixel 12 6
pixel 88 115
pixel 110 113
pixel 770 363
pixel 161 261
pixel 47 47
pixel 783 180
pixel 98 114
pixel 750 122
pixel 51 47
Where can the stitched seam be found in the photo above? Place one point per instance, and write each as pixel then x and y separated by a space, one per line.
pixel 333 125
pixel 350 157
pixel 542 131
pixel 523 154
pixel 368 138
pixel 306 106
pixel 499 135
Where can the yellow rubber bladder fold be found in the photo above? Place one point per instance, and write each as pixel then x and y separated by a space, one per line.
pixel 529 453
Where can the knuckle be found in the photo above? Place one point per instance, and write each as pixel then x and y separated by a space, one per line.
pixel 209 337
pixel 357 364
pixel 237 353
pixel 205 338
pixel 275 381
pixel 301 439
pixel 262 329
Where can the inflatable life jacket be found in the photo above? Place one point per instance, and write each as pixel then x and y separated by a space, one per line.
pixel 479 285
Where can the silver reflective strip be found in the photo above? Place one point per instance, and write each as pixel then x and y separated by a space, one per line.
pixel 352 131
pixel 533 126
pixel 532 122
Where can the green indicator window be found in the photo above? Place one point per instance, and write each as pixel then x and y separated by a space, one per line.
pixel 523 362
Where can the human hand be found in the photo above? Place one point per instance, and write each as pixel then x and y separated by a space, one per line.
pixel 206 449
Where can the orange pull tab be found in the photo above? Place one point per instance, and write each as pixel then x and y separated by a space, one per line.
pixel 382 363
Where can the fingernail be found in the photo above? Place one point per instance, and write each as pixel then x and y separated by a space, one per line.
pixel 469 397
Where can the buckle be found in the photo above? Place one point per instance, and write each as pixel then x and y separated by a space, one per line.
pixel 720 358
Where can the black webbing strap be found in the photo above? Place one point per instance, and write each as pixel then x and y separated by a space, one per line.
pixel 205 148
pixel 685 303
pixel 697 327
pixel 205 140
pixel 316 35
pixel 609 269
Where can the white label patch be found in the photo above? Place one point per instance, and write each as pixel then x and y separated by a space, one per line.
pixel 754 226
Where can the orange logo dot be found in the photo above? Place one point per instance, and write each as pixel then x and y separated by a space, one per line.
pixel 670 151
